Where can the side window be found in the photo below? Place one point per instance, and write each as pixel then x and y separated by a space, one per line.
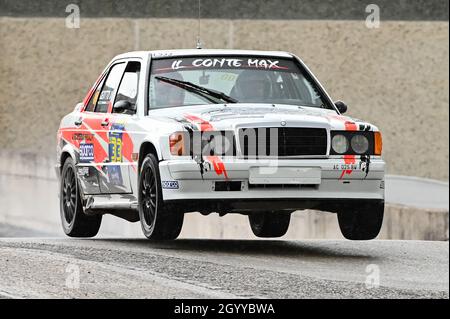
pixel 109 89
pixel 128 88
pixel 94 98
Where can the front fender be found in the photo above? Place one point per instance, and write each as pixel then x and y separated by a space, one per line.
pixel 156 143
pixel 66 151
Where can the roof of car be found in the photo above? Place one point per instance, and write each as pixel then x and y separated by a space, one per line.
pixel 201 52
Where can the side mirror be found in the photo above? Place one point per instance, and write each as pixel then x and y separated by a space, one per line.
pixel 123 105
pixel 341 106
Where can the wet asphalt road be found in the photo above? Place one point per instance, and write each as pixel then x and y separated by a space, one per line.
pixel 135 268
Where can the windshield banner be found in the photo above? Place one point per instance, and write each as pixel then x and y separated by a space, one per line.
pixel 255 63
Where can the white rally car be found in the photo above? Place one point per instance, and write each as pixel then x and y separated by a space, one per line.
pixel 164 133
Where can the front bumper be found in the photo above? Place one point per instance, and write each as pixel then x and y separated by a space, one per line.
pixel 187 182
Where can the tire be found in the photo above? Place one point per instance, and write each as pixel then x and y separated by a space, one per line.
pixel 158 221
pixel 363 222
pixel 269 224
pixel 74 221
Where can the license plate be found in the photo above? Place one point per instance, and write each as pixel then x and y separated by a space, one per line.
pixel 285 175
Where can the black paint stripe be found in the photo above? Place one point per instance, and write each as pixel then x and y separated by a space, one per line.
pixel 431 10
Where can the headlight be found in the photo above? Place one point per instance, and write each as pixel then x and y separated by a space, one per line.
pixel 360 144
pixel 339 143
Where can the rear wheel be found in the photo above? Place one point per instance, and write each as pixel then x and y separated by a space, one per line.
pixel 363 222
pixel 269 224
pixel 158 221
pixel 75 222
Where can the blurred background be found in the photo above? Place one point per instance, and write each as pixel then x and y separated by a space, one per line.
pixel 394 74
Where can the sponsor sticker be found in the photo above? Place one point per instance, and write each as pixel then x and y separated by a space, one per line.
pixel 115 175
pixel 115 154
pixel 86 152
pixel 82 137
pixel 223 63
pixel 170 185
pixel 228 63
pixel 105 96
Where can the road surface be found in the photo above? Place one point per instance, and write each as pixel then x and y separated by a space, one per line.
pixel 135 268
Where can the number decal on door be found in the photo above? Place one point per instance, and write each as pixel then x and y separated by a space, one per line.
pixel 115 149
pixel 115 144
pixel 115 154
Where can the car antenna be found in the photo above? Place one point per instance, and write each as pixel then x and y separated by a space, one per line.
pixel 199 40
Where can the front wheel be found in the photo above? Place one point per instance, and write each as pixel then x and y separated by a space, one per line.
pixel 269 224
pixel 158 221
pixel 75 222
pixel 362 222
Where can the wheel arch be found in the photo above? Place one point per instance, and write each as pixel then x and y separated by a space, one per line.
pixel 147 147
pixel 66 152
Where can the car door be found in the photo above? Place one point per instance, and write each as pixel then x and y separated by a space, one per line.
pixel 96 121
pixel 120 142
pixel 85 139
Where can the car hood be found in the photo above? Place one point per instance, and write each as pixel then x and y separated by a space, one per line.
pixel 231 117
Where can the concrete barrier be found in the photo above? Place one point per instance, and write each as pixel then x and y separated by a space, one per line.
pixel 28 198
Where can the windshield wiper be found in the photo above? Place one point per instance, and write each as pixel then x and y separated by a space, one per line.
pixel 197 89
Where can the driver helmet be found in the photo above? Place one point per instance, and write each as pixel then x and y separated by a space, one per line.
pixel 252 86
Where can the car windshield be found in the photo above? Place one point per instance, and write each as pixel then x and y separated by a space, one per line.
pixel 207 80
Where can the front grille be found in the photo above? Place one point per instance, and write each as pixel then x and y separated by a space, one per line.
pixel 292 141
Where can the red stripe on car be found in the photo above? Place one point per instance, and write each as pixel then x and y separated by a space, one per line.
pixel 205 126
pixel 349 159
